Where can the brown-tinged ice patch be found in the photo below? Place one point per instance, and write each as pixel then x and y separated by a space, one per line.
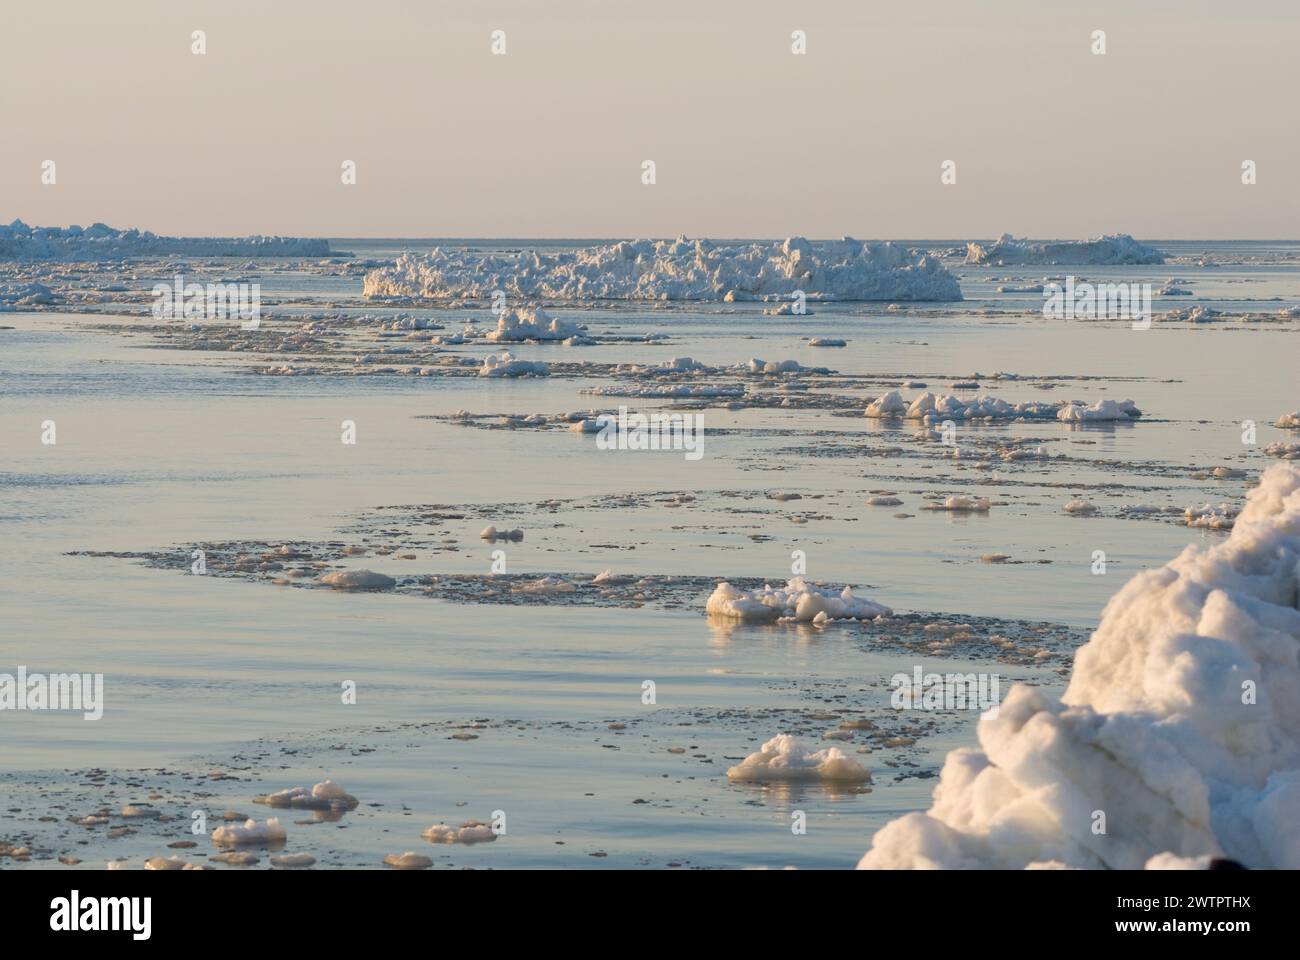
pixel 471 831
pixel 326 795
pixel 407 861
pixel 250 833
pixel 358 580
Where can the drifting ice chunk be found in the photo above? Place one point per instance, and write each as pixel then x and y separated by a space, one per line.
pixel 505 365
pixel 1110 249
pixel 1100 411
pixel 797 600
pixel 358 580
pixel 251 833
pixel 471 831
pixel 532 324
pixel 407 861
pixel 891 404
pixel 787 758
pixel 326 795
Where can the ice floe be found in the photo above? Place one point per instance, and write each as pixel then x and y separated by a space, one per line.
pixel 18 241
pixel 250 833
pixel 492 533
pixel 507 365
pixel 798 600
pixel 1180 726
pixel 326 795
pixel 525 324
pixel 785 758
pixel 358 580
pixel 28 294
pixel 407 861
pixel 680 269
pixel 935 408
pixel 1102 410
pixel 471 831
pixel 293 860
pixel 1119 248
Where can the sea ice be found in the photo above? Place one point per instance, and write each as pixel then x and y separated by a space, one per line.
pixel 18 241
pixel 326 795
pixel 1117 248
pixel 797 600
pixel 14 295
pixel 407 861
pixel 492 533
pixel 358 580
pixel 517 326
pixel 471 831
pixel 787 758
pixel 249 833
pixel 1102 410
pixel 683 269
pixel 1180 725
pixel 293 860
pixel 506 365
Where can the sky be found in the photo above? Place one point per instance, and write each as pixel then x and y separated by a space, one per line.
pixel 748 138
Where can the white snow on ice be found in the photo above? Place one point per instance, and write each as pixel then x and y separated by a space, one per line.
pixel 1115 248
pixel 680 269
pixel 1181 724
pixel 797 600
pixel 787 758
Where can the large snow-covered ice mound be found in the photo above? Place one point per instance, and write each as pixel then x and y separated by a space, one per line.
pixel 1180 726
pixel 18 241
pixel 1111 249
pixel 679 269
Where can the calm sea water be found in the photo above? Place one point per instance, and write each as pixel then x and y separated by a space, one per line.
pixel 161 449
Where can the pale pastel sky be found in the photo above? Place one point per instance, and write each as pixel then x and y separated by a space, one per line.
pixel 749 139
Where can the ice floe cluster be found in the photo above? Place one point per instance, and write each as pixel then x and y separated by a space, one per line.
pixel 24 294
pixel 1111 249
pixel 933 408
pixel 797 600
pixel 18 241
pixel 1179 732
pixel 680 269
